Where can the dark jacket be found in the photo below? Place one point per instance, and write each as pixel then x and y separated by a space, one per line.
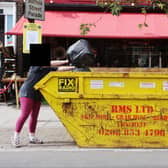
pixel 34 75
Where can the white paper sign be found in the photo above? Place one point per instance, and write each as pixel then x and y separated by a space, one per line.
pixel 96 84
pixel 147 84
pixel 32 38
pixel 32 34
pixel 165 85
pixel 116 84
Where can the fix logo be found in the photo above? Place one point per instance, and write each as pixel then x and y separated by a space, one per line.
pixel 66 84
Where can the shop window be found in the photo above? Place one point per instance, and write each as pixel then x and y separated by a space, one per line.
pixel 1 11
pixel 140 53
pixel 146 57
pixel 140 56
pixel 9 39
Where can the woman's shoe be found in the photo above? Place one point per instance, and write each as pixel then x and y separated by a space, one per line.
pixel 35 140
pixel 16 142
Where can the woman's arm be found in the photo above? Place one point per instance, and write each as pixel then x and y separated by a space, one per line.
pixel 65 68
pixel 58 62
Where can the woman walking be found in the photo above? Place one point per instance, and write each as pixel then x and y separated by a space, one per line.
pixel 30 101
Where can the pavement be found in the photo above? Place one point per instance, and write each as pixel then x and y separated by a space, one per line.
pixel 49 129
pixel 60 149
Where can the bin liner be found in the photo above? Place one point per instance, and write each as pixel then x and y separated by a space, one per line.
pixel 80 55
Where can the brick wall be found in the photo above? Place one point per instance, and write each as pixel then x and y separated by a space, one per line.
pixel 19 7
pixel 20 12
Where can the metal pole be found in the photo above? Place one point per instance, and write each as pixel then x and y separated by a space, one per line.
pixel 160 60
pixel 150 60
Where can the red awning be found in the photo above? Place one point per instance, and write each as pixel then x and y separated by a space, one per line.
pixel 67 24
pixel 123 2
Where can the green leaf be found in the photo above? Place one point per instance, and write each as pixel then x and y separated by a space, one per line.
pixel 166 11
pixel 143 10
pixel 85 28
pixel 116 9
pixel 145 24
pixel 97 2
pixel 161 6
pixel 140 25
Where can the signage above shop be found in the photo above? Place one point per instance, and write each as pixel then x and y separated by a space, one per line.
pixel 34 9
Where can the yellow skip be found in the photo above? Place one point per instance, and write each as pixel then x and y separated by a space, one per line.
pixel 118 108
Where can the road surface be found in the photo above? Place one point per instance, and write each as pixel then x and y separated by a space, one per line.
pixel 84 158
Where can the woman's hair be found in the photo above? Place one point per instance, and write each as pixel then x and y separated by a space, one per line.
pixel 59 53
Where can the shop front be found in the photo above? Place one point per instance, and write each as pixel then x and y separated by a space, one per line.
pixel 117 40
